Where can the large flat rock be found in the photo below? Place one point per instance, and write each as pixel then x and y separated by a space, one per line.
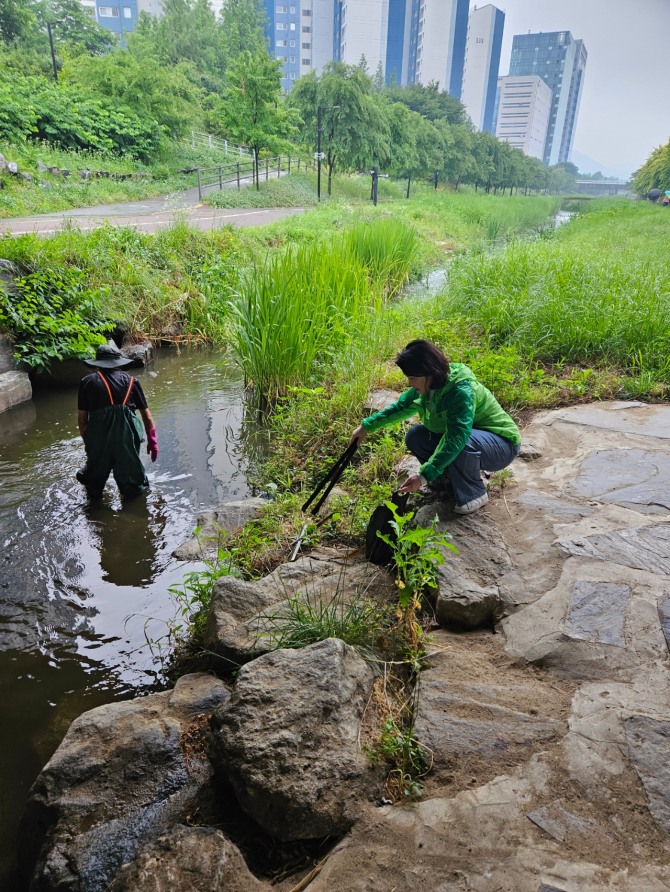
pixel 630 417
pixel 15 388
pixel 641 548
pixel 636 478
pixel 649 749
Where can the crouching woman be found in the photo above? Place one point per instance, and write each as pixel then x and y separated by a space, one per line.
pixel 463 429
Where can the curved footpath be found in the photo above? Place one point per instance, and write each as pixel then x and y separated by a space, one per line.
pixel 549 740
pixel 150 215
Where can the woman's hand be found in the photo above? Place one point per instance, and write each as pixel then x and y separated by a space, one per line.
pixel 359 435
pixel 412 484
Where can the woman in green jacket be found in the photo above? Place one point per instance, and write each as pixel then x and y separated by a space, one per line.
pixel 463 428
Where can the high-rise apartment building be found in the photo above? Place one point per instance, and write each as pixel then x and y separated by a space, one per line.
pixel 414 41
pixel 397 44
pixel 283 29
pixel 524 109
pixel 482 63
pixel 438 32
pixel 363 32
pixel 560 61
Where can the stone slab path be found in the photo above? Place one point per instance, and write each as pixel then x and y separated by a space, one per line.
pixel 550 740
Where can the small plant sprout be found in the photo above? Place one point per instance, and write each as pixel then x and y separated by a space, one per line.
pixel 417 553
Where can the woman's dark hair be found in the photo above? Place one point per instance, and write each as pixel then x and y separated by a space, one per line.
pixel 421 358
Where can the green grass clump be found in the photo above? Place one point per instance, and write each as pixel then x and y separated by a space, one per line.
pixel 173 285
pixel 294 314
pixel 366 624
pixel 562 303
pixel 294 190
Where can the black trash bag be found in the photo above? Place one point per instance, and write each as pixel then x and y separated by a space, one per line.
pixel 376 550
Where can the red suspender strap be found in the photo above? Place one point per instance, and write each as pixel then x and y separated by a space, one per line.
pixel 130 387
pixel 111 398
pixel 104 381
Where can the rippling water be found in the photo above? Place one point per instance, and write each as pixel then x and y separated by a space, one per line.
pixel 82 587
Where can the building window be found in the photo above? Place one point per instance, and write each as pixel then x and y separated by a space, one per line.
pixel 307 46
pixel 282 26
pixel 292 26
pixel 291 43
pixel 307 12
pixel 292 75
pixel 127 12
pixel 280 9
pixel 306 29
pixel 292 59
pixel 306 61
pixel 281 42
pixel 108 12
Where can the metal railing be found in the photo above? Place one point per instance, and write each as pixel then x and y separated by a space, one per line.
pixel 246 171
pixel 206 140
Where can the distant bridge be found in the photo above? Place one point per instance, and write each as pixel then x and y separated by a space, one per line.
pixel 603 187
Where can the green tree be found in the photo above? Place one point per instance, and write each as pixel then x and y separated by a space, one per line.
pixel 356 132
pixel 254 113
pixel 429 101
pixel 187 32
pixel 163 95
pixel 18 19
pixel 458 161
pixel 655 172
pixel 242 30
pixel 75 28
pixel 379 78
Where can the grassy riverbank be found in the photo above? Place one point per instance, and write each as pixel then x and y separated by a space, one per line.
pixel 544 317
pixel 49 193
pixel 178 284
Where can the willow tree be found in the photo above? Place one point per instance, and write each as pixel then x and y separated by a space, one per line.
pixel 253 111
pixel 355 126
pixel 655 172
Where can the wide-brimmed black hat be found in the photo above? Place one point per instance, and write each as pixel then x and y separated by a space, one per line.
pixel 108 356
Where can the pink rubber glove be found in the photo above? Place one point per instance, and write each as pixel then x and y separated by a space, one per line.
pixel 152 444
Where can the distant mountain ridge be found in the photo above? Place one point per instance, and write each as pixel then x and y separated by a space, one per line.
pixel 586 164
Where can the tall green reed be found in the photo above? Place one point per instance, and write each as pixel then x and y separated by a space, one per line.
pixel 295 314
pixel 556 304
pixel 388 249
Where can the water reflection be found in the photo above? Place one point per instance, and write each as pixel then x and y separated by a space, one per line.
pixel 128 539
pixel 84 588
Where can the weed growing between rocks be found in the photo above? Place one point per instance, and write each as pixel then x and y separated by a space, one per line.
pixel 366 624
pixel 388 721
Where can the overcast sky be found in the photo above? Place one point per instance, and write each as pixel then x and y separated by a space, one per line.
pixel 625 107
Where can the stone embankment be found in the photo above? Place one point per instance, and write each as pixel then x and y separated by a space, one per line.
pixel 12 169
pixel 545 707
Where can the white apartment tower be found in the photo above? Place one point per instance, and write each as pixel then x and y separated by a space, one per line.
pixel 363 31
pixel 524 110
pixel 482 63
pixel 437 43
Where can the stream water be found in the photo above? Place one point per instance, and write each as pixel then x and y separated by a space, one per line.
pixel 82 587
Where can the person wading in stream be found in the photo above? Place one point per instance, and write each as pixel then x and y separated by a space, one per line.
pixel 109 427
pixel 463 429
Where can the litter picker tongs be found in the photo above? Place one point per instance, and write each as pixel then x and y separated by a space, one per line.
pixel 328 481
pixel 331 478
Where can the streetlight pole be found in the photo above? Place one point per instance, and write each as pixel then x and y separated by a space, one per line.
pixel 319 153
pixel 53 54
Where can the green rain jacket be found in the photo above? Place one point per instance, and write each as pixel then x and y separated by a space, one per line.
pixel 452 410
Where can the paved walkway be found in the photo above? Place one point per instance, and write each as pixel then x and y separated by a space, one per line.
pixel 149 215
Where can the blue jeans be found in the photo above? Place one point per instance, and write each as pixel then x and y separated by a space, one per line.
pixel 483 451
